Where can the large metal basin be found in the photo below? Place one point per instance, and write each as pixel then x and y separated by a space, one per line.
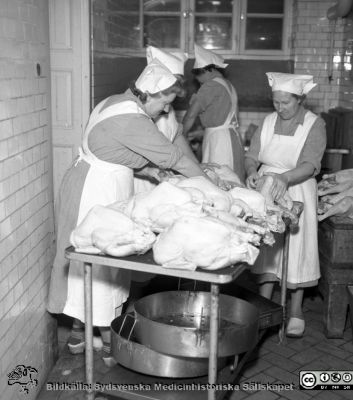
pixel 177 323
pixel 137 357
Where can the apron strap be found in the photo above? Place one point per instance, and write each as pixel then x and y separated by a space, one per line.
pixel 98 115
pixel 234 100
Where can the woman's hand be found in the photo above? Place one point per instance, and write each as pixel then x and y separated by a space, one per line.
pixel 195 135
pixel 150 172
pixel 252 179
pixel 279 186
pixel 225 185
pixel 165 174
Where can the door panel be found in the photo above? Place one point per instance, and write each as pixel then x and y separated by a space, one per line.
pixel 69 59
pixel 61 88
pixel 60 28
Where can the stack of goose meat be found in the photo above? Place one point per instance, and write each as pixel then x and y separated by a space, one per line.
pixel 335 193
pixel 189 222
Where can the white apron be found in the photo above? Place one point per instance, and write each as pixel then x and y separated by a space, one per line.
pixel 105 183
pixel 217 146
pixel 168 125
pixel 279 154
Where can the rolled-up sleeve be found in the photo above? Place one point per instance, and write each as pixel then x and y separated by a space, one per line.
pixel 142 137
pixel 314 146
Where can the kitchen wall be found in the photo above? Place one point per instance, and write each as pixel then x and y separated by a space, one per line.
pixel 311 50
pixel 27 332
pixel 346 86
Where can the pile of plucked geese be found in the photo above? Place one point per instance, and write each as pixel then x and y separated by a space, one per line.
pixel 188 222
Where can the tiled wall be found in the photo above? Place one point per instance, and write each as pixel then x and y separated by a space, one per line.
pixel 346 87
pixel 26 224
pixel 312 33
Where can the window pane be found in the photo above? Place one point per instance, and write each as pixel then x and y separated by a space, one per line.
pixel 123 5
pixel 123 31
pixel 161 5
pixel 263 34
pixel 266 6
pixel 162 31
pixel 214 6
pixel 213 33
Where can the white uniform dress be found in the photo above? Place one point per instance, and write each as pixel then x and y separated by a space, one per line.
pixel 105 183
pixel 280 153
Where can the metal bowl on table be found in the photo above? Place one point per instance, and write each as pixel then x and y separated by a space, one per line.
pixel 178 323
pixel 137 357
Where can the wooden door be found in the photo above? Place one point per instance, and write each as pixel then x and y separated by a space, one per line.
pixel 70 80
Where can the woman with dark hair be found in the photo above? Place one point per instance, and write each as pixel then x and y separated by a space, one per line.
pixel 289 145
pixel 120 139
pixel 216 104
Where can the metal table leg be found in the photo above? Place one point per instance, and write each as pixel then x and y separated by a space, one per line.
pixel 281 333
pixel 214 322
pixel 88 330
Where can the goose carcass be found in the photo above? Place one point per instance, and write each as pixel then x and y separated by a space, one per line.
pixel 205 242
pixel 160 207
pixel 214 196
pixel 109 231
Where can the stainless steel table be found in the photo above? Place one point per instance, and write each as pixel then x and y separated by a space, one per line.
pixel 145 263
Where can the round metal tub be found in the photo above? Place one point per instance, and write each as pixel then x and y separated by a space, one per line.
pixel 177 323
pixel 137 357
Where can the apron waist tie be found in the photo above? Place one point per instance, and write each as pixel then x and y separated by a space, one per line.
pixel 80 156
pixel 83 156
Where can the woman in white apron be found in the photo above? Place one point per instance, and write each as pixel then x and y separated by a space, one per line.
pixel 168 125
pixel 120 137
pixel 290 144
pixel 216 103
pixel 167 122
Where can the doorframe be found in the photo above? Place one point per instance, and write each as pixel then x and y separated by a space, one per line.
pixel 86 58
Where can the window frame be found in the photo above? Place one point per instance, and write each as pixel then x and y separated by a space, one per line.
pixel 286 32
pixel 238 51
pixel 190 45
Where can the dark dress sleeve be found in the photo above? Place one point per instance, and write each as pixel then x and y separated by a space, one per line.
pixel 207 94
pixel 142 137
pixel 314 146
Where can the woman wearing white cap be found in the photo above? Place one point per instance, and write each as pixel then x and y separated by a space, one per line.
pixel 120 138
pixel 167 122
pixel 216 103
pixel 290 144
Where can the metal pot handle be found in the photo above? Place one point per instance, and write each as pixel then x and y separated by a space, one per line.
pixel 122 325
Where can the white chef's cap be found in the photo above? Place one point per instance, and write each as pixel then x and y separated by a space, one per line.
pixel 155 78
pixel 173 61
pixel 205 57
pixel 291 83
